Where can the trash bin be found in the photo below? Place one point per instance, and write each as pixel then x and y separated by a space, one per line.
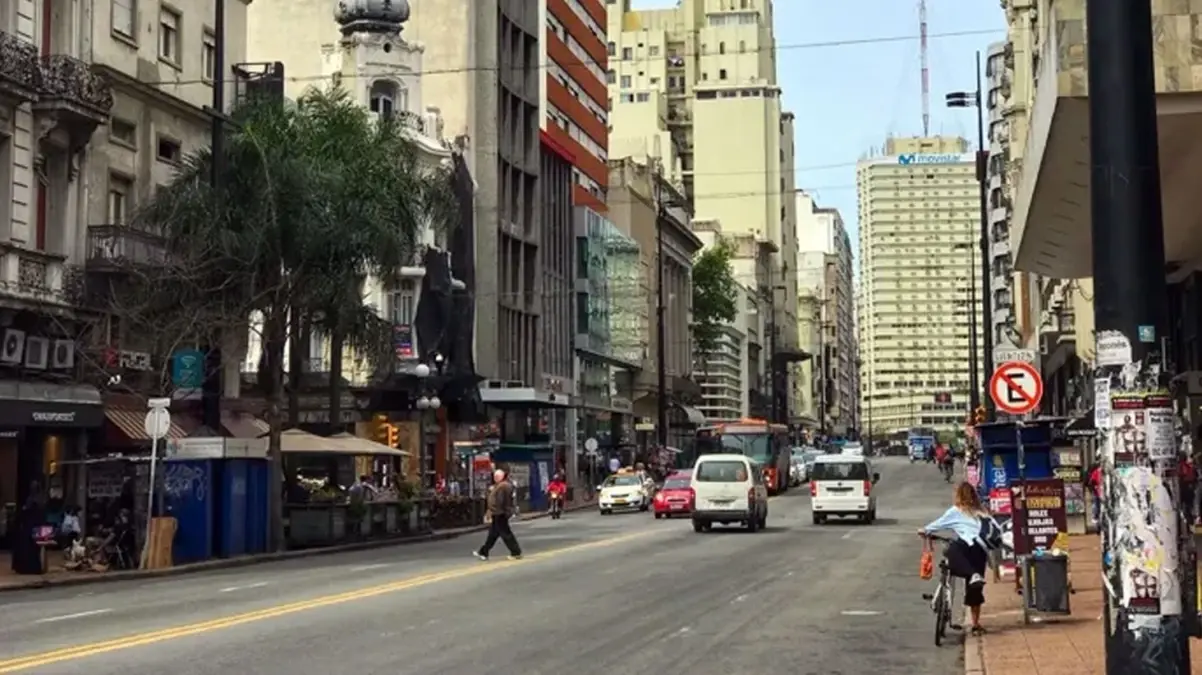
pixel 1046 586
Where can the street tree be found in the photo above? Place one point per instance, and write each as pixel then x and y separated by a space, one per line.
pixel 715 296
pixel 315 197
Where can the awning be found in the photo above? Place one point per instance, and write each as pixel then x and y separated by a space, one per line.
pixel 693 415
pixel 366 446
pixel 132 423
pixel 243 425
pixel 1080 427
pixel 297 442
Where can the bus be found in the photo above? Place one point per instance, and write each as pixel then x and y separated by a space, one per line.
pixel 921 441
pixel 759 440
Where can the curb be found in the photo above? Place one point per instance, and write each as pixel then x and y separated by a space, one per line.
pixel 247 561
pixel 974 655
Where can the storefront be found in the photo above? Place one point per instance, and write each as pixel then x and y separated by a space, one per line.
pixel 42 425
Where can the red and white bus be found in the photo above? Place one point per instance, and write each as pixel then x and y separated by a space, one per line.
pixel 759 440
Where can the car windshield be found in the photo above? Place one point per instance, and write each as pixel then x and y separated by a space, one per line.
pixel 840 471
pixel 721 472
pixel 676 483
pixel 623 481
pixel 752 446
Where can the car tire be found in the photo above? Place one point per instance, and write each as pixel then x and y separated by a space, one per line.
pixel 698 526
pixel 644 508
pixel 606 512
pixel 818 519
pixel 872 516
pixel 764 521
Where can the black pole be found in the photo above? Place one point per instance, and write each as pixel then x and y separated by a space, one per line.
pixel 1148 634
pixel 774 401
pixel 986 281
pixel 661 337
pixel 974 380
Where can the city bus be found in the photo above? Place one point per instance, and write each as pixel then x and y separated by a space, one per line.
pixel 759 440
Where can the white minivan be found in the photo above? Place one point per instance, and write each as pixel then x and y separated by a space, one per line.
pixel 843 485
pixel 729 489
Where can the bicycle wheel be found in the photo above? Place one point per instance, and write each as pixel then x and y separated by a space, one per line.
pixel 940 615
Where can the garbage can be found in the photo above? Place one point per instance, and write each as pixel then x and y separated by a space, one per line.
pixel 1046 586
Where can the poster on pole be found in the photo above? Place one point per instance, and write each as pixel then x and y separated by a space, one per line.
pixel 1127 413
pixel 1160 427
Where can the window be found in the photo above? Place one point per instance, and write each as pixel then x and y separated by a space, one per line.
pixel 613 49
pixel 643 97
pixel 653 50
pixel 169 151
pixel 387 98
pixel 722 74
pixel 402 303
pixel 123 133
pixel 169 35
pixel 120 193
pixel 208 57
pixel 627 53
pixel 123 18
pixel 625 81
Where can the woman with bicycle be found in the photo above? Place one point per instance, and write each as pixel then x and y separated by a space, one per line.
pixel 968 554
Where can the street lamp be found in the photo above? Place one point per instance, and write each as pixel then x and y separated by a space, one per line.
pixel 428 401
pixel 975 99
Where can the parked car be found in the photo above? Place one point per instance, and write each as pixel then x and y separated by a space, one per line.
pixel 676 497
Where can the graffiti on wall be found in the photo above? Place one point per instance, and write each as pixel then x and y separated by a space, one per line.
pixel 182 480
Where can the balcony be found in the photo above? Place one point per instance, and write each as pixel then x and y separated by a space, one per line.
pixel 33 276
pixel 112 248
pixel 20 74
pixel 79 99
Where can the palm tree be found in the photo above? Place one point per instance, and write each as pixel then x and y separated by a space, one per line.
pixel 317 195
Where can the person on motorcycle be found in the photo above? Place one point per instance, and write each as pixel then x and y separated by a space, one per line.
pixel 944 460
pixel 558 490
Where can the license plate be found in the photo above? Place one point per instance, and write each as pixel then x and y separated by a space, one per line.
pixel 677 507
pixel 839 489
pixel 619 501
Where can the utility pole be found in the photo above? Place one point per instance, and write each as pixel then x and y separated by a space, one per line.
pixel 661 331
pixel 211 390
pixel 1147 632
pixel 986 281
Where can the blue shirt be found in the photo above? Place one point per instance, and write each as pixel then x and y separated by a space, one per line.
pixel 966 527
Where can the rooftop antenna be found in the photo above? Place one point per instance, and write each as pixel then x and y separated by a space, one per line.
pixel 926 70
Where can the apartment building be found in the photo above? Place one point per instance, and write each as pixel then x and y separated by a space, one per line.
pixel 574 100
pixel 826 280
pixel 695 87
pixel 919 236
pixel 637 193
pixel 1003 322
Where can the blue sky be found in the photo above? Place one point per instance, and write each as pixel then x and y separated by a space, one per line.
pixel 848 98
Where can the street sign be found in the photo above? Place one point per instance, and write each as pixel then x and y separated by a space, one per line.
pixel 1016 388
pixel 158 422
pixel 590 445
pixel 1005 354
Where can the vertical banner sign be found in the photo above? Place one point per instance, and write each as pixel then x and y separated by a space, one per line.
pixel 402 341
pixel 1044 524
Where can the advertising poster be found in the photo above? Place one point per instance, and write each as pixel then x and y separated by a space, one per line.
pixel 1041 519
pixel 1127 413
pixel 1160 428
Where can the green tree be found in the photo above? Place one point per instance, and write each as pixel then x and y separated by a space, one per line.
pixel 317 196
pixel 715 296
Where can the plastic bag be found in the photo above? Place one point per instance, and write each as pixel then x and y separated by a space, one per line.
pixel 926 564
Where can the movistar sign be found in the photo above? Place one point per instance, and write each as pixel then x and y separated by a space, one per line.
pixel 914 158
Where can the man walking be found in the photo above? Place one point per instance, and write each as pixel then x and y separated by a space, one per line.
pixel 501 506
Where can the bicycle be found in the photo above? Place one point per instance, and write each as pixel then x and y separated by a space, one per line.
pixel 941 599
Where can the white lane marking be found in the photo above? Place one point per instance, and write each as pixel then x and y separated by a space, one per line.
pixel 77 615
pixel 860 612
pixel 364 568
pixel 247 587
pixel 849 535
pixel 683 630
pixel 741 598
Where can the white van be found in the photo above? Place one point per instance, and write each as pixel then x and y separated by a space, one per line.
pixel 843 485
pixel 729 489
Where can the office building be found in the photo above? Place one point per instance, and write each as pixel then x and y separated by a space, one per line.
pixel 919 222
pixel 695 87
pixel 574 98
pixel 828 329
pixel 1002 323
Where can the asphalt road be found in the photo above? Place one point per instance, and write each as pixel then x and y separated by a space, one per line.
pixel 618 594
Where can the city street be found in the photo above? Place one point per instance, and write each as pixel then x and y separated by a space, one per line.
pixel 617 594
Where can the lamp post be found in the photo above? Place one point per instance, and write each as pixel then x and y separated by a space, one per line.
pixel 975 99
pixel 427 402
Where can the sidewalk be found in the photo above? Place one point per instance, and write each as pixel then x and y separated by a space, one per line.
pixel 1070 645
pixel 59 577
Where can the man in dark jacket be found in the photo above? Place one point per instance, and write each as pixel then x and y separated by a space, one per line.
pixel 501 506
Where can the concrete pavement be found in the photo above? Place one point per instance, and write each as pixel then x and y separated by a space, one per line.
pixel 594 595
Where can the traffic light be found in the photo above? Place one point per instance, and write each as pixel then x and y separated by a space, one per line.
pixel 380 428
pixel 394 436
pixel 978 416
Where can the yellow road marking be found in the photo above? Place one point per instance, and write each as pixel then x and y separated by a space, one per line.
pixel 137 640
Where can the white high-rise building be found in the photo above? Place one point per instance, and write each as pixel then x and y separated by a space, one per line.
pixel 919 219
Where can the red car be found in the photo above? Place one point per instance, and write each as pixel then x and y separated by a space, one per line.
pixel 675 498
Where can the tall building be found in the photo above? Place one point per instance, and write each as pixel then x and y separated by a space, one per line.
pixel 1002 323
pixel 828 331
pixel 574 98
pixel 919 221
pixel 695 87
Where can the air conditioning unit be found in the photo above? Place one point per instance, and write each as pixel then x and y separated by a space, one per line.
pixel 62 357
pixel 12 351
pixel 37 352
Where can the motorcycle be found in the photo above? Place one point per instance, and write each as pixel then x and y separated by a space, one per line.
pixel 556 506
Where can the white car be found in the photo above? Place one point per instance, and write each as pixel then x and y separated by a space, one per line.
pixel 843 485
pixel 623 492
pixel 853 450
pixel 729 489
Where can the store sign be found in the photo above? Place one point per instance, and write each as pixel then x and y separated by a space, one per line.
pixel 53 417
pixel 947 158
pixel 1041 519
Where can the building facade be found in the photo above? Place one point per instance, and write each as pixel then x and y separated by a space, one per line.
pixel 824 261
pixel 1002 323
pixel 919 235
pixel 573 101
